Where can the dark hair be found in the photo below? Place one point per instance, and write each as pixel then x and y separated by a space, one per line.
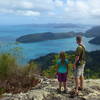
pixel 79 38
pixel 62 57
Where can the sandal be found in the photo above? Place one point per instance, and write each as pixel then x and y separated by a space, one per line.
pixel 59 91
pixel 81 89
pixel 73 94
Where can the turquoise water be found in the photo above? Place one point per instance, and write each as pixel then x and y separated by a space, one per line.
pixel 25 52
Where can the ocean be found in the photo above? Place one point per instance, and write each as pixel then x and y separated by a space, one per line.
pixel 25 52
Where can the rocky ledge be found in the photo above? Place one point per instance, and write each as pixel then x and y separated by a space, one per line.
pixel 46 90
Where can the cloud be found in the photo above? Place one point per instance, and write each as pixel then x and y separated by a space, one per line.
pixel 28 13
pixel 56 10
pixel 22 5
pixel 58 3
pixel 20 12
pixel 82 9
pixel 51 14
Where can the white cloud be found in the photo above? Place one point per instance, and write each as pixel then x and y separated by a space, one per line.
pixel 58 3
pixel 23 4
pixel 35 5
pixel 20 12
pixel 51 14
pixel 6 11
pixel 82 9
pixel 69 10
pixel 27 13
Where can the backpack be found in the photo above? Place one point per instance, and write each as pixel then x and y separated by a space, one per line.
pixel 80 57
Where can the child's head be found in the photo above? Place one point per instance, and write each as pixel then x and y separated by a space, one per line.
pixel 62 56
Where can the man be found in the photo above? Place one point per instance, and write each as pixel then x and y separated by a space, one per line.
pixel 79 65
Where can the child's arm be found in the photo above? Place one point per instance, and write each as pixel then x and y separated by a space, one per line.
pixel 56 67
pixel 67 69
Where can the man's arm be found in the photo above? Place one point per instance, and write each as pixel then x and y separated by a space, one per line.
pixel 76 60
pixel 78 52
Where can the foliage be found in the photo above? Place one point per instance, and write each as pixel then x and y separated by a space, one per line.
pixel 7 65
pixel 13 75
pixel 92 68
pixel 51 72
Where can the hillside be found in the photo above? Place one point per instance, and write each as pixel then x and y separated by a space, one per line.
pixel 94 32
pixel 31 83
pixel 93 62
pixel 96 40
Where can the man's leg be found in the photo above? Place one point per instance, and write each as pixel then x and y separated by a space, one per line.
pixel 82 77
pixel 76 84
pixel 81 82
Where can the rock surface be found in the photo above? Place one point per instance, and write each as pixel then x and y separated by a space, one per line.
pixel 46 90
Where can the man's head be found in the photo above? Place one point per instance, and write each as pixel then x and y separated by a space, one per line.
pixel 79 39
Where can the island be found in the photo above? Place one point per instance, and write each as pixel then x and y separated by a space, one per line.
pixel 95 40
pixel 38 37
pixel 94 32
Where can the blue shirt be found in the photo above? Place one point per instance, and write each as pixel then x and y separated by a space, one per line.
pixel 62 68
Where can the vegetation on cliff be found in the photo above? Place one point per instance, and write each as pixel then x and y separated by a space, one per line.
pixel 15 78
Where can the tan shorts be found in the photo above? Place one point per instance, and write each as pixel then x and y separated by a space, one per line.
pixel 79 71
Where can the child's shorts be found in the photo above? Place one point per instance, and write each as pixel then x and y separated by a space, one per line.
pixel 62 77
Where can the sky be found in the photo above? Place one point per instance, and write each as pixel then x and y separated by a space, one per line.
pixel 49 11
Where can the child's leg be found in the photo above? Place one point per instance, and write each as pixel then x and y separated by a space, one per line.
pixel 60 83
pixel 64 84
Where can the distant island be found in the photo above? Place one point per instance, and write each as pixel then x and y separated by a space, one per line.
pixel 38 37
pixel 44 36
pixel 96 40
pixel 94 32
pixel 67 25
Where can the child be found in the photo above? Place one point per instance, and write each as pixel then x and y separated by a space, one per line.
pixel 62 71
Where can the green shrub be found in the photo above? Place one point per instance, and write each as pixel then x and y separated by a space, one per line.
pixel 2 90
pixel 21 78
pixel 7 65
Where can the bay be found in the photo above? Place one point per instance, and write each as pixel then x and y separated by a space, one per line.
pixel 25 52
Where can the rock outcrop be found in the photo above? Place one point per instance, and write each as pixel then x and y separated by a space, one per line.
pixel 46 90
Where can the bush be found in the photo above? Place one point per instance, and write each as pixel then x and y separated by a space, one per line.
pixel 15 78
pixel 8 65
